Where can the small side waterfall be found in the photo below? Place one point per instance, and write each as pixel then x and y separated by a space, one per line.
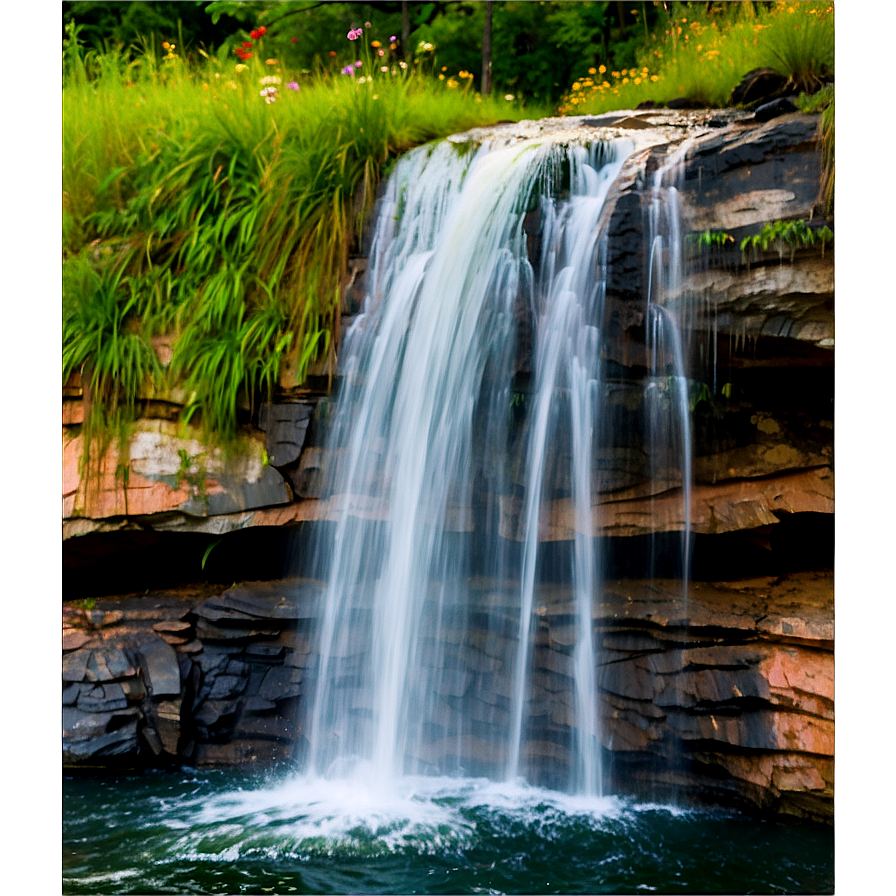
pixel 428 659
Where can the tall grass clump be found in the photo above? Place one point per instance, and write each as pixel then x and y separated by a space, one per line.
pixel 699 53
pixel 214 203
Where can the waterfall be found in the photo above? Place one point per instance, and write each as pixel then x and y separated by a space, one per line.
pixel 435 566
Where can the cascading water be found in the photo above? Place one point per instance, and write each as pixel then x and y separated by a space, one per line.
pixel 427 659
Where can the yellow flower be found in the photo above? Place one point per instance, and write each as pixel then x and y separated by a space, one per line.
pixel 240 67
pixel 637 81
pixel 577 86
pixel 165 45
pixel 605 85
pixel 624 72
pixel 271 62
pixel 654 77
pixel 625 80
pixel 441 77
pixel 592 71
pixel 615 74
pixel 601 68
pixel 375 44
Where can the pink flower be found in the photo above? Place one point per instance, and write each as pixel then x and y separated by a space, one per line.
pixel 354 34
pixel 358 64
pixel 293 85
pixel 393 38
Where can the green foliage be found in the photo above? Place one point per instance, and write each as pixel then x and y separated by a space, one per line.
pixel 813 103
pixel 709 239
pixel 700 52
pixel 800 46
pixel 195 210
pixel 826 126
pixel 784 235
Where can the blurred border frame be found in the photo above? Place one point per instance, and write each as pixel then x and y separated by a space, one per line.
pixel 30 446
pixel 865 462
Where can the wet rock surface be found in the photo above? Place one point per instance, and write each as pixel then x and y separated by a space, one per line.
pixel 725 691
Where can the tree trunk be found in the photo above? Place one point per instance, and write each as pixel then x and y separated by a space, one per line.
pixel 405 29
pixel 486 87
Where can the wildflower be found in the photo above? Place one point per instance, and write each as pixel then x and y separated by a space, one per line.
pixel 354 34
pixel 271 62
pixel 380 52
pixel 393 38
pixel 165 45
pixel 384 68
pixel 592 71
pixel 358 63
pixel 247 44
pixel 602 69
pixel 292 85
pixel 402 65
pixel 295 40
pixel 508 97
pixel 441 77
pixel 348 70
pixel 375 44
pixel 269 94
pixel 654 78
pixel 270 79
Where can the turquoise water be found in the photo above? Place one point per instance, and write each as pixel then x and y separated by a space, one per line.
pixel 219 832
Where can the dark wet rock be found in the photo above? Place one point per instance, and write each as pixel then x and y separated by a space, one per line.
pixel 73 639
pixel 774 109
pixel 285 426
pixel 102 698
pixel 280 683
pixel 107 664
pixel 227 686
pixel 161 666
pixel 758 85
pixel 74 665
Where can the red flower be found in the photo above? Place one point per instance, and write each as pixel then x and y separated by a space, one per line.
pixel 293 40
pixel 247 45
pixel 258 32
pixel 332 52
pixel 262 31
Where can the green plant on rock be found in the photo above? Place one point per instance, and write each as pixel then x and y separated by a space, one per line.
pixel 709 239
pixel 786 235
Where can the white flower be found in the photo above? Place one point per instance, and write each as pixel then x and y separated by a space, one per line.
pixel 270 79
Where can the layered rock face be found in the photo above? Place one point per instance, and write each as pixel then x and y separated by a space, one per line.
pixel 726 696
pixel 723 696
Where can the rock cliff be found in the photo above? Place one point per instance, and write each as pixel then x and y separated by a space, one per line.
pixel 727 696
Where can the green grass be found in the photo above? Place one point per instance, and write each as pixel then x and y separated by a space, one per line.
pixel 701 51
pixel 195 210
